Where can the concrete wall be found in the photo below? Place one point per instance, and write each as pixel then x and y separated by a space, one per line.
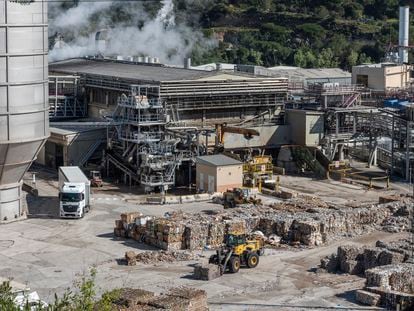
pixel 229 177
pixel 270 137
pixel 297 126
pixel 225 177
pixel 306 127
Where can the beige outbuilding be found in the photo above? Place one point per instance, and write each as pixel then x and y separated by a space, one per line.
pixel 382 77
pixel 218 173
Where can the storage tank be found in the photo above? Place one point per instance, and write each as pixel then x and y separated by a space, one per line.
pixel 24 124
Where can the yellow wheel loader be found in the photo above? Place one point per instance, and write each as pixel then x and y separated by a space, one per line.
pixel 238 251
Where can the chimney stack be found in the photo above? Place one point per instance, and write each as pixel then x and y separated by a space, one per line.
pixel 187 63
pixel 403 34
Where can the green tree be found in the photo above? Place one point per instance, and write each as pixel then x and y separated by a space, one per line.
pixel 352 59
pixel 326 59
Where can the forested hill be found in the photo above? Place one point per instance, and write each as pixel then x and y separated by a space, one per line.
pixel 306 33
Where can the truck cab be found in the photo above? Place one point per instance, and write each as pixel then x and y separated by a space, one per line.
pixel 72 200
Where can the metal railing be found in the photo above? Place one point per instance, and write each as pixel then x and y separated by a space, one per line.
pixel 156 118
pixel 141 137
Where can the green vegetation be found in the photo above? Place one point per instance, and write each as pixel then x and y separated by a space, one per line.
pixel 81 298
pixel 306 33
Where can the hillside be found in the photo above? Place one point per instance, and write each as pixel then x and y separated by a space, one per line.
pixel 304 33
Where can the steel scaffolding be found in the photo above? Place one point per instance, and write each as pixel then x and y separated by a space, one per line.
pixel 64 98
pixel 142 144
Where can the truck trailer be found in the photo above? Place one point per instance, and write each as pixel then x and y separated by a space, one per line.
pixel 74 192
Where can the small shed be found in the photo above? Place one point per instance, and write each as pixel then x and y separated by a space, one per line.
pixel 218 173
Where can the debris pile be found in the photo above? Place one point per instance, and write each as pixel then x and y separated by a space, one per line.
pixel 294 223
pixel 177 299
pixel 152 257
pixel 356 260
pixel 389 286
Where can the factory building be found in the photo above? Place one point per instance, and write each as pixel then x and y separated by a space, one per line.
pixel 72 143
pixel 382 77
pixel 218 173
pixel 191 96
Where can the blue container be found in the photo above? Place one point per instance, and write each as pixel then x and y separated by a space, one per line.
pixel 391 103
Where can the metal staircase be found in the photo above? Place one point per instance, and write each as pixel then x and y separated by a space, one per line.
pixel 351 101
pixel 88 154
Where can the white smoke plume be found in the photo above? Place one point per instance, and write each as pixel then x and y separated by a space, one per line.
pixel 140 35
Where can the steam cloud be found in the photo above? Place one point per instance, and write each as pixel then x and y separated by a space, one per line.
pixel 136 35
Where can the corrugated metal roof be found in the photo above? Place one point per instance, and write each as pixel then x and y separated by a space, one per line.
pixel 147 73
pixel 218 160
pixel 312 73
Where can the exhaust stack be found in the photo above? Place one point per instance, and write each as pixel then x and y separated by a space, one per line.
pixel 403 34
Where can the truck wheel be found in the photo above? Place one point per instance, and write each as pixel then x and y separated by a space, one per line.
pixel 234 264
pixel 252 260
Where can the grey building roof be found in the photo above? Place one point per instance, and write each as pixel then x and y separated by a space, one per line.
pixel 217 160
pixel 131 71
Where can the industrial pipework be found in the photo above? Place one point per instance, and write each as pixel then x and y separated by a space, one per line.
pixel 24 125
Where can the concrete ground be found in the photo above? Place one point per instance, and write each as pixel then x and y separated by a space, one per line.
pixel 49 254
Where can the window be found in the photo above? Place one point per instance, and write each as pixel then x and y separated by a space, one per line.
pixel 362 80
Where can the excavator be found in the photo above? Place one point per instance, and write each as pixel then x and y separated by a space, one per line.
pixel 238 250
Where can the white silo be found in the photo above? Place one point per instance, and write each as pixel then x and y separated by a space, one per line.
pixel 24 108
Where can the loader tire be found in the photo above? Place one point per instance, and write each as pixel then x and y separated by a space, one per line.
pixel 252 260
pixel 234 264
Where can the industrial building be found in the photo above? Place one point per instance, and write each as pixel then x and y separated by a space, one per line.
pixel 190 96
pixel 383 77
pixel 73 144
pixel 218 173
pixel 300 78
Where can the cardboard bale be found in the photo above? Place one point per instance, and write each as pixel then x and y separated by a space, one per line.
pixel 131 297
pixel 350 259
pixel 216 232
pixel 367 298
pixel 371 256
pixel 197 298
pixel 130 217
pixel 236 226
pixel 196 236
pixel 330 264
pixel 352 267
pixel 130 258
pixel 387 257
pixel 206 272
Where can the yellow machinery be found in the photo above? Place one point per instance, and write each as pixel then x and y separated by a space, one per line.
pixel 258 169
pixel 238 251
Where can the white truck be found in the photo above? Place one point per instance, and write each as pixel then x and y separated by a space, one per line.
pixel 74 192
